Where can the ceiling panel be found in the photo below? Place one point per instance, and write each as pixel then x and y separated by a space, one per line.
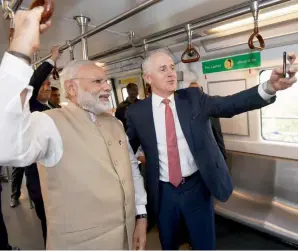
pixel 163 15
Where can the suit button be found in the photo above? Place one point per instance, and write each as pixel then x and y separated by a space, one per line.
pixel 123 182
pixel 116 163
pixel 109 143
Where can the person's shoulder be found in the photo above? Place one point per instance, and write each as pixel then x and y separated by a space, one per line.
pixel 188 92
pixel 139 106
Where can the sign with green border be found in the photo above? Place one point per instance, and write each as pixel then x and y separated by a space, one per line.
pixel 244 61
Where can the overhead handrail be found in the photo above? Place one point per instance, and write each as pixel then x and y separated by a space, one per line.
pixel 107 24
pixel 199 23
pixel 46 15
pixel 191 52
pixel 254 6
pixel 145 47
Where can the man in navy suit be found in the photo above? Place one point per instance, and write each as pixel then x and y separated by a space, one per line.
pixel 185 167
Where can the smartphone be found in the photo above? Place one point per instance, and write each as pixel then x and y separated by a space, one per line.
pixel 284 64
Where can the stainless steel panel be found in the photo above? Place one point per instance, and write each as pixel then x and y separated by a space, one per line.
pixel 265 195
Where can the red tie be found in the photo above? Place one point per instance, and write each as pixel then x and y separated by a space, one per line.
pixel 174 166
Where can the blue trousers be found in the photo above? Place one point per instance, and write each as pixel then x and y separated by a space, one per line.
pixel 191 203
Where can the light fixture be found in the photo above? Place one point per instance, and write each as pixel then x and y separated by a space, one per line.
pixel 99 64
pixel 262 17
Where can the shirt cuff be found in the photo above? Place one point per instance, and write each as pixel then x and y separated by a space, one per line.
pixel 265 96
pixel 16 67
pixel 140 209
pixel 50 61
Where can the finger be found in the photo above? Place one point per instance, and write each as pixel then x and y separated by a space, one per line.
pixel 37 11
pixel 291 57
pixel 292 71
pixel 288 82
pixel 135 240
pixel 142 243
pixel 278 71
pixel 45 26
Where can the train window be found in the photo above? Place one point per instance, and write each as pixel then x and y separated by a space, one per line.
pixel 124 92
pixel 280 120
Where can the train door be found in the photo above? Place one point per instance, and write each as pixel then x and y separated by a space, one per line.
pixel 121 83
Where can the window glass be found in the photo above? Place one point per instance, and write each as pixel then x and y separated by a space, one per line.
pixel 280 120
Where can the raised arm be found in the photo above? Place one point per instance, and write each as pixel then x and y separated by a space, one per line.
pixel 25 137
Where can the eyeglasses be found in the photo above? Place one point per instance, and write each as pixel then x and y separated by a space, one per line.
pixel 98 81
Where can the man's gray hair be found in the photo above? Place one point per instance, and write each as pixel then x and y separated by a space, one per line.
pixel 146 62
pixel 69 72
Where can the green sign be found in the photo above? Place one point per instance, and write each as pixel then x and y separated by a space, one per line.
pixel 238 62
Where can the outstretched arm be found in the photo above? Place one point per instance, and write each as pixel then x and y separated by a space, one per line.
pixel 254 98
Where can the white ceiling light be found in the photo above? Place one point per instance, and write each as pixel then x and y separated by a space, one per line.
pixel 262 17
pixel 99 64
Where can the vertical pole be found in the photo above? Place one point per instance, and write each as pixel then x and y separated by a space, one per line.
pixel 83 21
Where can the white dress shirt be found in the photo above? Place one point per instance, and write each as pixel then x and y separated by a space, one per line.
pixel 188 165
pixel 33 137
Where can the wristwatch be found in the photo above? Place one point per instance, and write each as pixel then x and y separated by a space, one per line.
pixel 141 216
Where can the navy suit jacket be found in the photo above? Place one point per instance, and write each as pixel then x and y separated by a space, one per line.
pixel 194 109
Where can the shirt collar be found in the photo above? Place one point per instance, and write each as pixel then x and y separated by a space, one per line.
pixel 157 100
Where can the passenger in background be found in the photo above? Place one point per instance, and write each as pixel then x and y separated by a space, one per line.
pixel 38 102
pixel 55 98
pixel 121 111
pixel 4 244
pixel 216 126
pixel 148 90
pixel 85 160
pixel 184 165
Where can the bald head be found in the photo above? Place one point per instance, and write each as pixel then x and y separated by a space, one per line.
pixel 159 72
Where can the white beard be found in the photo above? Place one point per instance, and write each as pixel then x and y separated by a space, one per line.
pixel 91 102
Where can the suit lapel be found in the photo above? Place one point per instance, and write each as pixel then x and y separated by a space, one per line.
pixel 184 114
pixel 148 121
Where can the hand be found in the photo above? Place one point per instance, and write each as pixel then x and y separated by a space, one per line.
pixel 139 236
pixel 26 37
pixel 55 53
pixel 277 81
pixel 141 158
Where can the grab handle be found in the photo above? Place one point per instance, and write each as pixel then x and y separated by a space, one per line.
pixel 46 15
pixel 191 52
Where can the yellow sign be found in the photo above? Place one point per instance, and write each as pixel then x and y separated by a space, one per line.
pixel 126 81
pixel 228 64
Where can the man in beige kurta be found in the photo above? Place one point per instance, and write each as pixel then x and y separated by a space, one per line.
pixel 92 188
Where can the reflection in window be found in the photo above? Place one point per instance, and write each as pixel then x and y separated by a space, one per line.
pixel 280 120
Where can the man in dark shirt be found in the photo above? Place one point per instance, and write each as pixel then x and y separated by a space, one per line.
pixel 121 110
pixel 55 98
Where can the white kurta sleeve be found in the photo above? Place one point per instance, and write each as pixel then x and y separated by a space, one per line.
pixel 25 137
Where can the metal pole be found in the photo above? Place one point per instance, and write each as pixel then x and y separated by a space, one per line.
pixel 196 24
pixel 14 5
pixel 83 21
pixel 108 24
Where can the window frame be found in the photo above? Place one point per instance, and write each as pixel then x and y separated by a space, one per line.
pixel 261 118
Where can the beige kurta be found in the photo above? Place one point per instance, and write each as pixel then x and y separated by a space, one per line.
pixel 89 195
